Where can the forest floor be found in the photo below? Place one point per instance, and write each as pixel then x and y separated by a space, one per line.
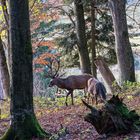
pixel 52 117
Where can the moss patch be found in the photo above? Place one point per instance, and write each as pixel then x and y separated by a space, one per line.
pixel 25 130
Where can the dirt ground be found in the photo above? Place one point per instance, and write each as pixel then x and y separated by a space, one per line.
pixel 72 118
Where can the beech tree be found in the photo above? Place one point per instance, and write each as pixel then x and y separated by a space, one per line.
pixel 81 37
pixel 123 47
pixel 24 124
pixel 93 44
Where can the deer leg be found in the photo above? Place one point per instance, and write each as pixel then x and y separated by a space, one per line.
pixel 67 98
pixel 85 92
pixel 72 98
pixel 92 99
pixel 96 98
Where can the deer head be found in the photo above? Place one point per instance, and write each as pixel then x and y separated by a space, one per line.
pixel 54 82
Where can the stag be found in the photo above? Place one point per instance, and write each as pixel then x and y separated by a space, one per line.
pixel 69 83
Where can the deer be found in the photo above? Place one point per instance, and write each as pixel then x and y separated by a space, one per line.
pixel 69 83
pixel 97 89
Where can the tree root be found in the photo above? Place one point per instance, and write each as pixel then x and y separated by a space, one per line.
pixel 114 118
pixel 25 130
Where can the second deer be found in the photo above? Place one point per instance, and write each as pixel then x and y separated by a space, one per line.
pixel 97 89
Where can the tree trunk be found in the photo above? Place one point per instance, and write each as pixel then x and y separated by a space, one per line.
pixel 123 48
pixel 24 124
pixel 81 37
pixel 114 118
pixel 93 44
pixel 107 74
pixel 4 74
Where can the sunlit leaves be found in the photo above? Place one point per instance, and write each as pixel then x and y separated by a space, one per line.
pixel 43 51
pixel 42 23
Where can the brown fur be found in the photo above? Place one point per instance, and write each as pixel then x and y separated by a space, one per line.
pixel 71 83
pixel 92 89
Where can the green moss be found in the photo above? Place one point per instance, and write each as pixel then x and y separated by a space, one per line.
pixel 27 129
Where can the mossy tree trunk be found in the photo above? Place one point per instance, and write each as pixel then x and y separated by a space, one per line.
pixel 24 124
pixel 114 118
pixel 123 47
pixel 81 37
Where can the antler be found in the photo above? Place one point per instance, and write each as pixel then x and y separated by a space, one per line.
pixel 53 68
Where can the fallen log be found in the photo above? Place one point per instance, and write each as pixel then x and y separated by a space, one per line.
pixel 114 118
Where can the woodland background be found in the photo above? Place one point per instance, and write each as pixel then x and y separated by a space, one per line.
pixel 75 33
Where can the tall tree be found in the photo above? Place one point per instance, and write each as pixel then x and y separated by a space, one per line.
pixel 81 37
pixel 24 124
pixel 123 47
pixel 93 44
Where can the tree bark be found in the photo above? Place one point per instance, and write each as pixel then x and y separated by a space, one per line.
pixel 24 124
pixel 4 74
pixel 93 43
pixel 107 75
pixel 81 37
pixel 123 48
pixel 114 118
